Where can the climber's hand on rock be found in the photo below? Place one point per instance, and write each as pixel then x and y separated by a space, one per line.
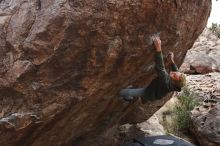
pixel 157 43
pixel 170 57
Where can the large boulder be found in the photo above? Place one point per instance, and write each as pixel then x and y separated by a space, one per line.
pixel 204 56
pixel 62 63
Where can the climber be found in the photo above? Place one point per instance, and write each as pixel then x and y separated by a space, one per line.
pixel 161 85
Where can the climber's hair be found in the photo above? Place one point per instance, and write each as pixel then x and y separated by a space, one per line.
pixel 181 82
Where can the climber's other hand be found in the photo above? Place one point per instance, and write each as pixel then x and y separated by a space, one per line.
pixel 170 57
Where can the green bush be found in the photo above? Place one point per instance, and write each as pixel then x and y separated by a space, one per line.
pixel 215 28
pixel 186 103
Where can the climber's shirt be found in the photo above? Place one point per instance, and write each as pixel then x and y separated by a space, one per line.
pixel 161 85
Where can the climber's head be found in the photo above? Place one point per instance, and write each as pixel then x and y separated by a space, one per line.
pixel 178 79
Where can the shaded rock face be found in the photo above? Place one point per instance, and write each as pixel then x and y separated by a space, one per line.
pixel 204 56
pixel 63 62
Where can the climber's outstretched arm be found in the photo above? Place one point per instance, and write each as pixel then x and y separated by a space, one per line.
pixel 160 68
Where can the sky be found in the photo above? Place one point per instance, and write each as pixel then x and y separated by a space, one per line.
pixel 215 13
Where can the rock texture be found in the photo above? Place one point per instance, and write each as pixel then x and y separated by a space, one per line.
pixel 204 56
pixel 205 86
pixel 62 63
pixel 205 121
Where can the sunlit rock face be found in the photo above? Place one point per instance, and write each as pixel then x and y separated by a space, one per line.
pixel 62 63
pixel 204 56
